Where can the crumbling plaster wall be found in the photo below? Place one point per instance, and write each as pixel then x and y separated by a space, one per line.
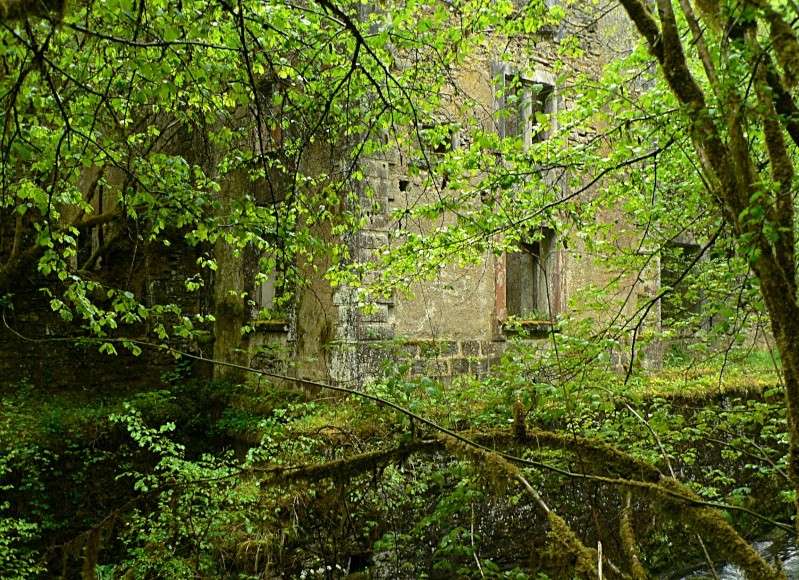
pixel 626 292
pixel 451 325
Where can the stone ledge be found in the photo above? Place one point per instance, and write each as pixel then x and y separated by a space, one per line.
pixel 533 328
pixel 271 326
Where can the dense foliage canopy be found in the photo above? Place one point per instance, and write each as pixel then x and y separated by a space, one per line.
pixel 222 133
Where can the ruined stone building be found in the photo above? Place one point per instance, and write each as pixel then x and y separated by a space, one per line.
pixel 454 325
pixel 458 323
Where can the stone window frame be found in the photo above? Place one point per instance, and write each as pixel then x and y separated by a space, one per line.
pixel 539 83
pixel 537 261
pixel 552 290
pixel 263 297
pixel 554 270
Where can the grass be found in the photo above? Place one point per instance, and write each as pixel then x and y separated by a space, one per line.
pixel 749 374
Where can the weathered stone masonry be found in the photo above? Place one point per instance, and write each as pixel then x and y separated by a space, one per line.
pixel 454 326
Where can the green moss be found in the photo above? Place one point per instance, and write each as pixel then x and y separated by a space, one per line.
pixel 627 536
pixel 565 554
pixel 711 525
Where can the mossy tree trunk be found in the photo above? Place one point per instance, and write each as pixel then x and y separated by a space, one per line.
pixel 724 111
pixel 231 296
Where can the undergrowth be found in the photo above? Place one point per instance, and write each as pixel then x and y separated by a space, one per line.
pixel 218 480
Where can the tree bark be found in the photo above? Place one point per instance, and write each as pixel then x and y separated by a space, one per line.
pixel 730 170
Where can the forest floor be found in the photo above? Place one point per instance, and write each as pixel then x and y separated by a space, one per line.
pixel 357 497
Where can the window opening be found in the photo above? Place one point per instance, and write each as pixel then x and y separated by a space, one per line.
pixel 531 278
pixel 684 302
pixel 525 109
pixel 265 292
pixel 269 299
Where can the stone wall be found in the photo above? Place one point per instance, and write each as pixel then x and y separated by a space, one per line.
pixel 449 358
pixel 436 359
pixel 36 345
pixel 453 325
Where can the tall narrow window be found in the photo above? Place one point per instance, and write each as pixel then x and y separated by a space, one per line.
pixel 685 301
pixel 268 304
pixel 92 242
pixel 532 279
pixel 264 295
pixel 524 107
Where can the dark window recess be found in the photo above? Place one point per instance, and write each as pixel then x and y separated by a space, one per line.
pixel 531 279
pixel 438 139
pixel 684 301
pixel 88 249
pixel 523 108
pixel 403 185
pixel 265 297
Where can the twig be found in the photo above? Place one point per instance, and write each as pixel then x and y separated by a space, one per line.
pixel 474 550
pixel 599 559
pixel 710 564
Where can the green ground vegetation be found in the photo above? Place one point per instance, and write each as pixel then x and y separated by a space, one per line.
pixel 251 479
